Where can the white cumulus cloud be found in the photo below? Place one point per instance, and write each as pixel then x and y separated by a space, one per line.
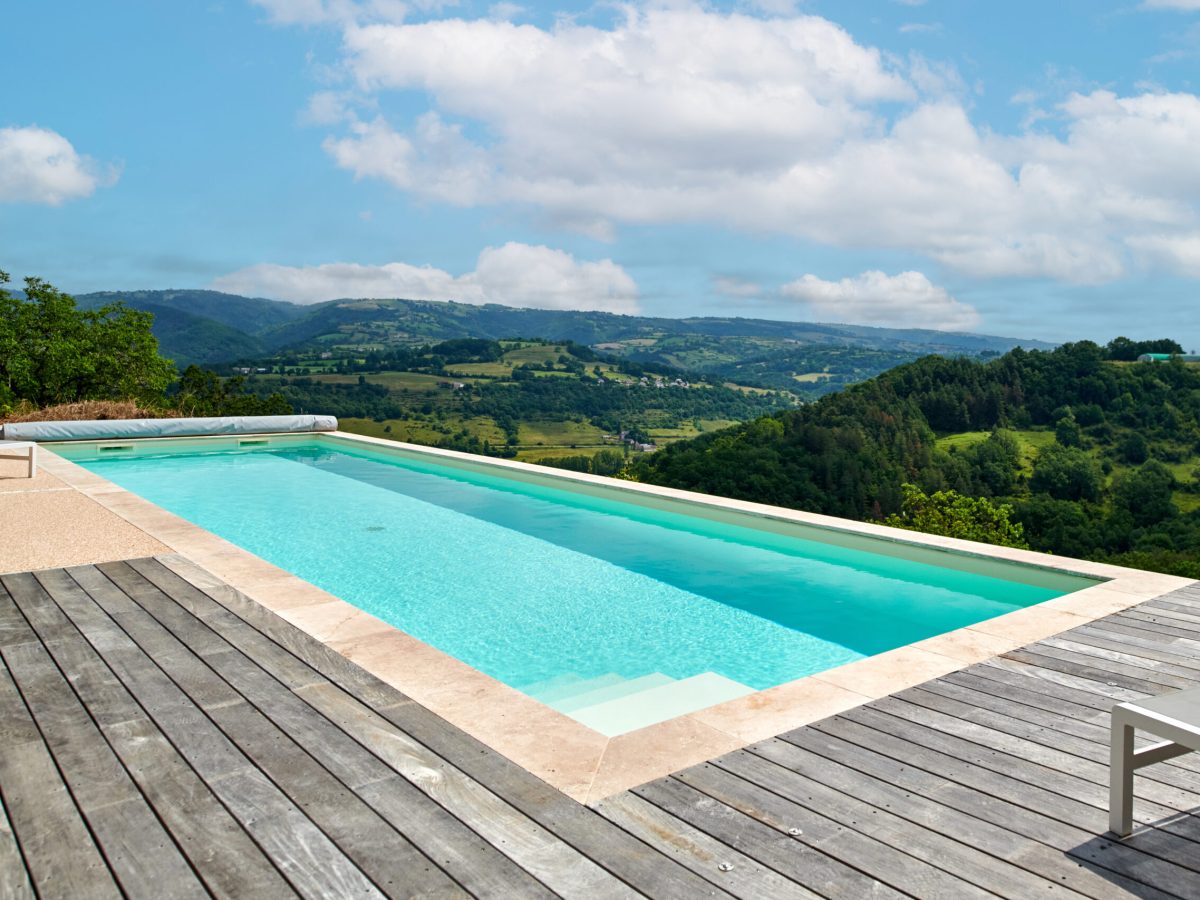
pixel 1179 5
pixel 1176 253
pixel 906 300
pixel 515 274
pixel 321 12
pixel 681 113
pixel 40 166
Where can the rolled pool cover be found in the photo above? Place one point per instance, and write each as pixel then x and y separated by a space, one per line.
pixel 107 429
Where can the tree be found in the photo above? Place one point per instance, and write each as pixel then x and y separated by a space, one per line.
pixel 1066 473
pixel 952 514
pixel 201 392
pixel 52 352
pixel 607 462
pixel 1135 449
pixel 1124 349
pixel 1145 494
pixel 1066 429
pixel 996 462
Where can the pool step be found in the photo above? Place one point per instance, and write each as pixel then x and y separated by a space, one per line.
pixel 612 691
pixel 564 686
pixel 655 704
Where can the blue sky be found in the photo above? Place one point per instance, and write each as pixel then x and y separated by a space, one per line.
pixel 1027 169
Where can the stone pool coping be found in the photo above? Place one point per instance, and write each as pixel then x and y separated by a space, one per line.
pixel 573 758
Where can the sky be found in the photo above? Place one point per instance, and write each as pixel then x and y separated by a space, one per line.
pixel 1027 169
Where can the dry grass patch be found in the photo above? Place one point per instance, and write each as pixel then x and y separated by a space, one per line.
pixel 88 410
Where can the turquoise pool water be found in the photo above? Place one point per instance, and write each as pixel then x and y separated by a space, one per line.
pixel 529 582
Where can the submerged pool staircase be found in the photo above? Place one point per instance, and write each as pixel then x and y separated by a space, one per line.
pixel 612 704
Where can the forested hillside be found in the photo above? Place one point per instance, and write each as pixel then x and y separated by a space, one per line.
pixel 806 358
pixel 1100 458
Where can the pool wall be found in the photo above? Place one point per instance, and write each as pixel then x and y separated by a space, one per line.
pixel 568 755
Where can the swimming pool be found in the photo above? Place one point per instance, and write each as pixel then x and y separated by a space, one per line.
pixel 617 610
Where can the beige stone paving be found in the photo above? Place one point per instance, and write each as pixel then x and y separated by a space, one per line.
pixel 76 517
pixel 47 529
pixel 14 476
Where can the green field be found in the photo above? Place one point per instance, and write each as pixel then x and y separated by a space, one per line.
pixel 560 434
pixel 395 381
pixel 533 454
pixel 535 353
pixel 687 430
pixel 488 369
pixel 1032 443
pixel 418 431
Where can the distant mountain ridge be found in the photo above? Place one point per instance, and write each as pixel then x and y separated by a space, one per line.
pixel 211 327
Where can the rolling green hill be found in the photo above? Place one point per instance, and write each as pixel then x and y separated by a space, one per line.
pixel 252 315
pixel 406 321
pixel 807 358
pixel 203 327
pixel 187 339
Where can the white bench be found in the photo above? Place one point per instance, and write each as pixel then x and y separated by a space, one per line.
pixel 30 453
pixel 1175 716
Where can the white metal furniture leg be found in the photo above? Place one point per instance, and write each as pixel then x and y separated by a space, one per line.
pixel 1175 716
pixel 30 449
pixel 1120 788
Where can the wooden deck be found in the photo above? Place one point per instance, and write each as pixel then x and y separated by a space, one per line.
pixel 158 740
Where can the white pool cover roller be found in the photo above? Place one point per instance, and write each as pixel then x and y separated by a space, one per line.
pixel 107 429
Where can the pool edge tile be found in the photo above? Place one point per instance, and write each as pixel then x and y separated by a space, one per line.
pixel 885 673
pixel 772 711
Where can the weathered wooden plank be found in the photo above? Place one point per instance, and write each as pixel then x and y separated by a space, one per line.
pixel 1038 678
pixel 1070 719
pixel 1007 850
pixel 1186 618
pixel 1157 623
pixel 1186 600
pixel 380 851
pixel 1128 657
pixel 952 854
pixel 1055 713
pixel 305 856
pixel 224 856
pixel 14 877
pixel 139 851
pixel 1092 748
pixel 868 754
pixel 177 575
pixel 61 858
pixel 1056 794
pixel 1116 636
pixel 368 770
pixel 755 832
pixel 489 826
pixel 1048 702
pixel 283 665
pixel 707 857
pixel 497 827
pixel 1082 706
pixel 1169 799
pixel 1071 665
pixel 637 864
